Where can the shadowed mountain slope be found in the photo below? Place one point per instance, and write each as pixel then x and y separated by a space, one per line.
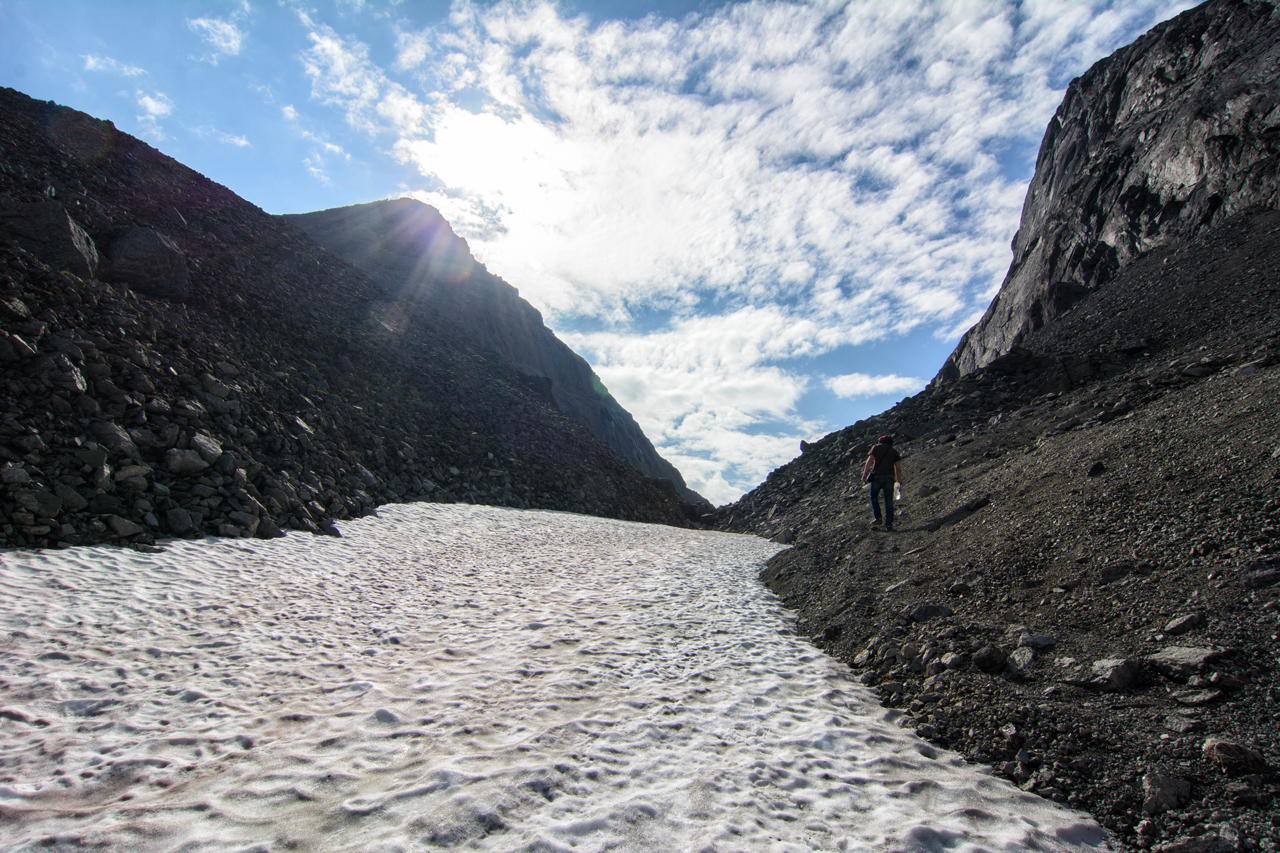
pixel 175 361
pixel 409 249
pixel 1083 585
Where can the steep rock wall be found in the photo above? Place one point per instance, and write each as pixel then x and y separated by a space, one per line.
pixel 1158 143
pixel 410 249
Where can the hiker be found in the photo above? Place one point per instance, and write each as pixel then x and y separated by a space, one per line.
pixel 883 469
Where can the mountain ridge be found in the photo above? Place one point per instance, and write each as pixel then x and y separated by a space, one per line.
pixel 410 248
pixel 1161 141
pixel 176 362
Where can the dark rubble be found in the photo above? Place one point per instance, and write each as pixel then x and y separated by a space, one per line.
pixel 176 362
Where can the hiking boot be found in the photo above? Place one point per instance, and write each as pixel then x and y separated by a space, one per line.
pixel 889 527
pixel 876 523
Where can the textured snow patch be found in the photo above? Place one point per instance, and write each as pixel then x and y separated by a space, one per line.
pixel 458 678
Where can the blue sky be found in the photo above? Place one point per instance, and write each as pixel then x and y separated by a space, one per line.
pixel 758 221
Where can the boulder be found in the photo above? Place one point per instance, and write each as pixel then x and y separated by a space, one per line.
pixel 1234 759
pixel 115 438
pixel 990 659
pixel 1161 793
pixel 1114 675
pixel 45 229
pixel 148 262
pixel 123 527
pixel 1182 624
pixel 1181 662
pixel 184 462
pixel 209 448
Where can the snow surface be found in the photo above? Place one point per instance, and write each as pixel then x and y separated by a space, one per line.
pixel 453 677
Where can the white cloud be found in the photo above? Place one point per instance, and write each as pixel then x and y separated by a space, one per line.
pixel 223 137
pixel 314 163
pixel 833 174
pixel 224 36
pixel 865 385
pixel 111 66
pixel 154 106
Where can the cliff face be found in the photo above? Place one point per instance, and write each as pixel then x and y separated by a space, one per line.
pixel 1160 142
pixel 409 248
pixel 176 362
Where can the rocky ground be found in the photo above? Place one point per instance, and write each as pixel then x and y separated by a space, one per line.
pixel 1083 587
pixel 176 362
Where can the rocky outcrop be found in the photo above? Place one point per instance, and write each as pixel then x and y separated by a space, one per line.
pixel 1160 142
pixel 47 230
pixel 410 249
pixel 221 374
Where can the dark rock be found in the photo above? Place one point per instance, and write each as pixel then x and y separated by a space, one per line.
pixel 1162 793
pixel 184 461
pixel 178 520
pixel 148 262
pixel 1182 624
pixel 990 659
pixel 122 526
pixel 929 612
pixel 1139 111
pixel 46 230
pixel 1234 759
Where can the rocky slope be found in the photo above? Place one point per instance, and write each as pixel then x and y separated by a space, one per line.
pixel 174 361
pixel 1083 587
pixel 409 249
pixel 1158 143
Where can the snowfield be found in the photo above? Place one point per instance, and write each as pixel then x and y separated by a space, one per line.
pixel 454 677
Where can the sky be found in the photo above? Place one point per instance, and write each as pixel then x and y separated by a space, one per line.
pixel 758 221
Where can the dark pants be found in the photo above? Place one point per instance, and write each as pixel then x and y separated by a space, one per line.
pixel 882 483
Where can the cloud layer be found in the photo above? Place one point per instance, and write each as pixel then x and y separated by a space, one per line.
pixel 700 206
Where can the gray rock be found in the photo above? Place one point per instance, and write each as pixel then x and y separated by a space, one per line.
pixel 207 446
pixel 1182 725
pixel 1142 111
pixel 14 475
pixel 184 461
pixel 1196 698
pixel 1162 793
pixel 148 262
pixel 72 500
pixel 42 502
pixel 1021 659
pixel 1113 675
pixel 1182 624
pixel 122 526
pixel 1181 662
pixel 114 437
pixel 179 520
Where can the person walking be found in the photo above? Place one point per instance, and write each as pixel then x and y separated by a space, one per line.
pixel 883 469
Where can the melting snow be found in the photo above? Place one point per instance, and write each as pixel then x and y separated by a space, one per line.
pixel 458 678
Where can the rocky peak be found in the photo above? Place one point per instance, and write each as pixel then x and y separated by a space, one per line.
pixel 409 248
pixel 1158 143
